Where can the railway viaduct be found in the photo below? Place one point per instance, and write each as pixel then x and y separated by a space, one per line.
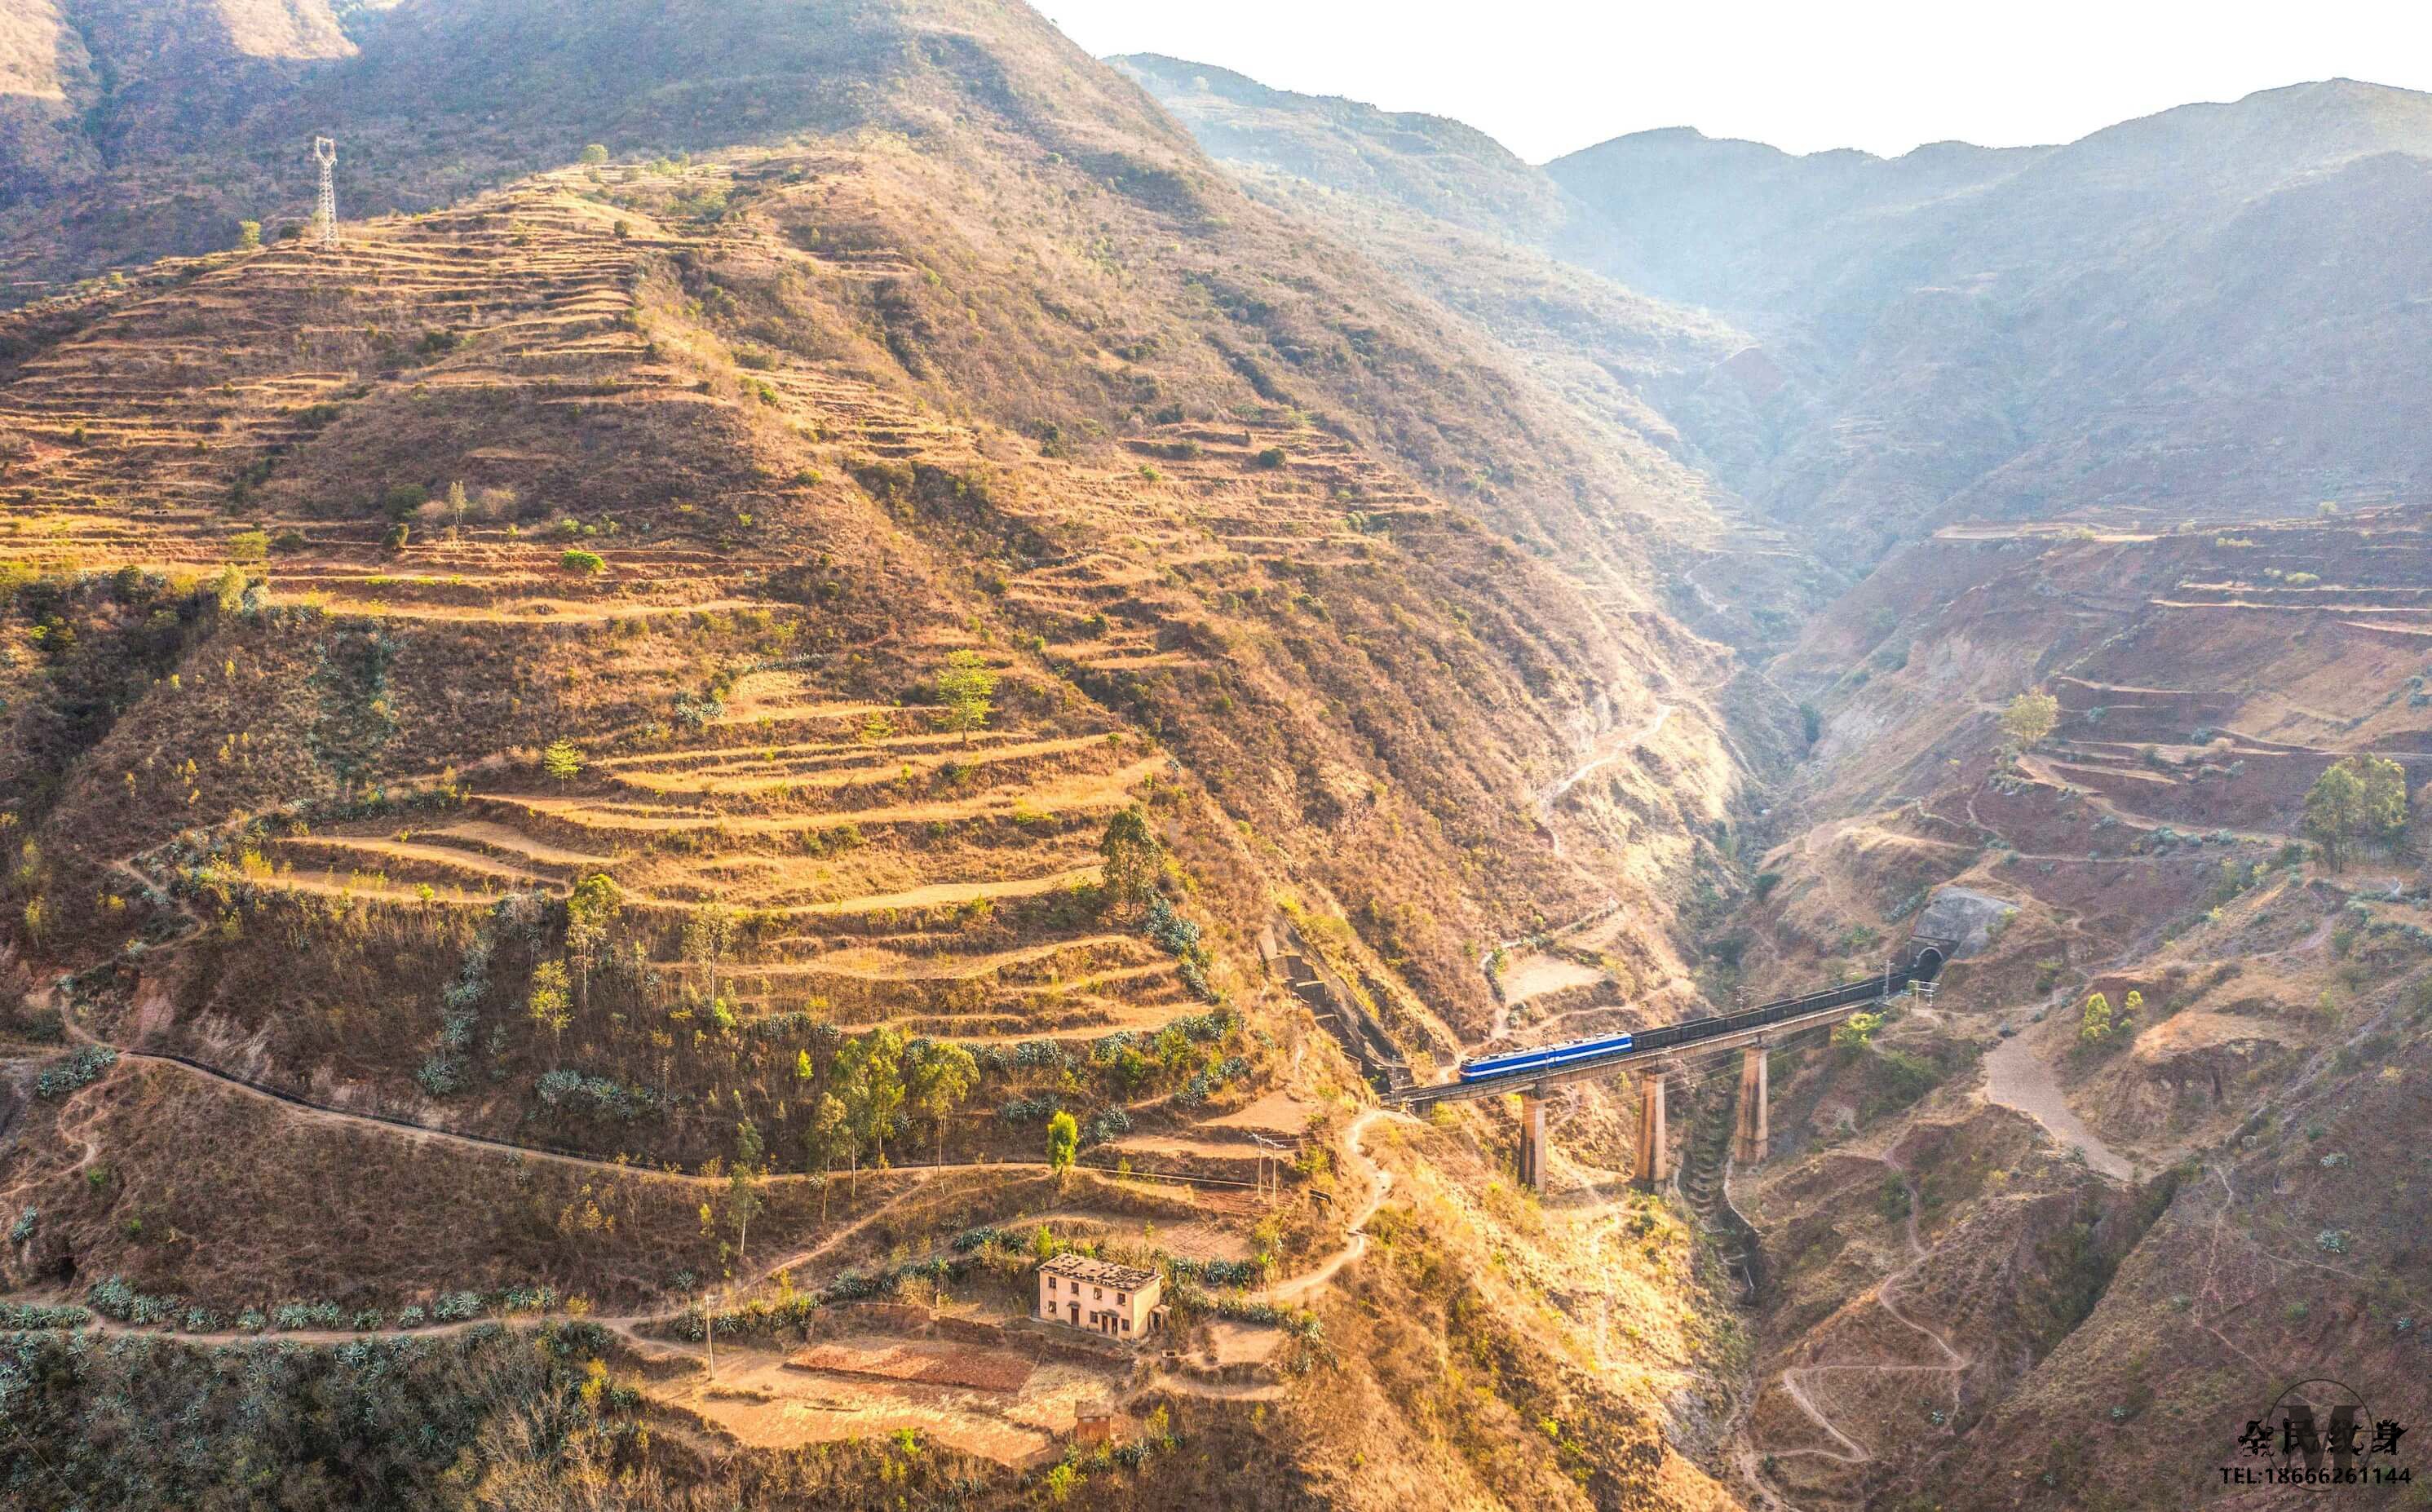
pixel 1661 1053
pixel 1955 922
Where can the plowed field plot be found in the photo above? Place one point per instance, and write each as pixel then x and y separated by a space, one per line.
pixel 930 1364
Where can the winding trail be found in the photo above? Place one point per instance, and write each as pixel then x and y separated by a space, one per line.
pixel 1553 794
pixel 1543 806
pixel 628 1326
pixel 306 1109
pixel 1795 1378
pixel 422 1133
pixel 1355 1242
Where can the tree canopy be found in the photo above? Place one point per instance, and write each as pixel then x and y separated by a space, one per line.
pixel 562 760
pixel 1133 859
pixel 2361 800
pixel 965 685
pixel 939 1075
pixel 870 1076
pixel 2030 717
pixel 1063 1139
pixel 591 909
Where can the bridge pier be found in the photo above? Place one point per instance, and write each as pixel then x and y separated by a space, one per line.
pixel 1532 1139
pixel 1749 1147
pixel 1654 1163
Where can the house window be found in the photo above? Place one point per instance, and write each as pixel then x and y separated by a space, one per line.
pixel 1122 1298
pixel 1097 1294
pixel 1128 1325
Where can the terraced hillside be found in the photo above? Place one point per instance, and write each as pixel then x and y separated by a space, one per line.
pixel 2189 1017
pixel 603 723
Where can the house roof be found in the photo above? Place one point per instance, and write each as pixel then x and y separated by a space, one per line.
pixel 1098 1272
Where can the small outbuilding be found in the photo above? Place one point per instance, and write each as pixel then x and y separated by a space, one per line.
pixel 1124 1302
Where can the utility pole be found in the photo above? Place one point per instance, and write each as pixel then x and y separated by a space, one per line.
pixel 324 212
pixel 1270 1159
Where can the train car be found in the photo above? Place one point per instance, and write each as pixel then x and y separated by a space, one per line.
pixel 1543 1057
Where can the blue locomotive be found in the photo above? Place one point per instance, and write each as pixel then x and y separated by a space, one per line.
pixel 1543 1057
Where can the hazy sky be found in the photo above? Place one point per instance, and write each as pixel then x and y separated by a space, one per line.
pixel 1547 78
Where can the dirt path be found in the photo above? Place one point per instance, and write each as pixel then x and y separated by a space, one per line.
pixel 1795 1378
pixel 1539 974
pixel 2038 769
pixel 1708 601
pixel 1553 794
pixel 1355 1244
pixel 630 1326
pixel 1545 799
pixel 1641 1001
pixel 304 1107
pixel 627 1326
pixel 2018 1077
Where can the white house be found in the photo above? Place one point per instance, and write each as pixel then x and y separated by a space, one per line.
pixel 1101 1296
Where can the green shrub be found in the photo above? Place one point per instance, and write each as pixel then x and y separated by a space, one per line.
pixel 582 562
pixel 80 1069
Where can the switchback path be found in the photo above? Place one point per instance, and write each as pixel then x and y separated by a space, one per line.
pixel 1545 799
pixel 423 1133
pixel 630 1327
pixel 1355 1243
pixel 1795 1378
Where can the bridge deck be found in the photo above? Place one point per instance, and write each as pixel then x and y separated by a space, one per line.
pixel 1695 1036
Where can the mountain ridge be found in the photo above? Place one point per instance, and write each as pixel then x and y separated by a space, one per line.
pixel 1974 314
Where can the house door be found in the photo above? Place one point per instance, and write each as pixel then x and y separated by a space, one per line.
pixel 1077 1314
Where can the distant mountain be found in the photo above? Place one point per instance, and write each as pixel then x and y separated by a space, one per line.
pixel 1430 164
pixel 1754 230
pixel 2200 313
pixel 1745 228
pixel 2207 310
pixel 1500 243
